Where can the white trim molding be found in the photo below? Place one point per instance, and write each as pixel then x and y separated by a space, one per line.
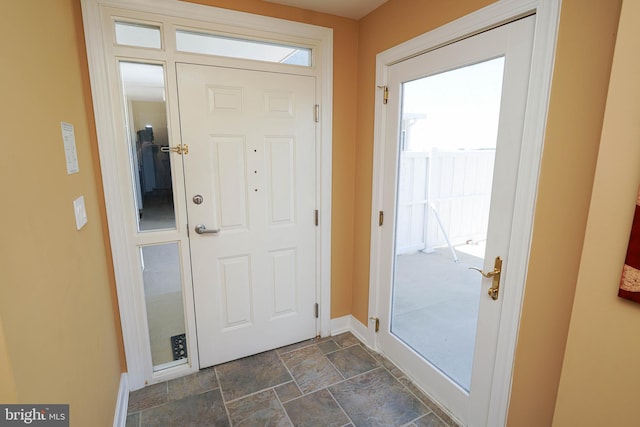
pixel 546 29
pixel 98 18
pixel 122 402
pixel 349 323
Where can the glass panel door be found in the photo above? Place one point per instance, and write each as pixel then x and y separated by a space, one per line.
pixel 452 145
pixel 447 150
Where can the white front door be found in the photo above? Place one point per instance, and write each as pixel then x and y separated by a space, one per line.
pixel 454 124
pixel 250 177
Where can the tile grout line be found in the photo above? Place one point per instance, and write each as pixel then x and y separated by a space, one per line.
pixel 350 378
pixel 293 379
pixel 288 371
pixel 323 388
pixel 224 403
pixel 422 401
pixel 450 423
pixel 286 414
pixel 333 364
pixel 166 395
pixel 381 365
pixel 254 393
pixel 326 387
pixel 341 348
pixel 411 391
pixel 310 343
pixel 341 408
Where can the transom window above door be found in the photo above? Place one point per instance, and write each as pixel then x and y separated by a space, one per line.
pixel 213 44
pixel 150 36
pixel 138 35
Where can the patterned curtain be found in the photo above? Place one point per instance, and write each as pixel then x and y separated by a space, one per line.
pixel 630 281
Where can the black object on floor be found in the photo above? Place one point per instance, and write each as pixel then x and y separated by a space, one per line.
pixel 179 346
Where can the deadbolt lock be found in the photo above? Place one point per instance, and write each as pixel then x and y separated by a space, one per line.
pixel 198 199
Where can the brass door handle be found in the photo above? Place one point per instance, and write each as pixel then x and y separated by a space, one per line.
pixel 494 290
pixel 488 275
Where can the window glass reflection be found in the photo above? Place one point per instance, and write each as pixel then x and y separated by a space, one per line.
pixel 211 44
pixel 447 147
pixel 165 308
pixel 143 86
pixel 138 35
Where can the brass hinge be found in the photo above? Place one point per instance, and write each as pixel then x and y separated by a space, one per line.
pixel 380 218
pixel 377 323
pixel 178 149
pixel 385 94
pixel 317 310
pixel 317 113
pixel 317 217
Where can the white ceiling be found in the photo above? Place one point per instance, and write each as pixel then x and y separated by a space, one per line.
pixel 354 9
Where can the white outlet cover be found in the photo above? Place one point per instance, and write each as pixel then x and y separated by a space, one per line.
pixel 80 212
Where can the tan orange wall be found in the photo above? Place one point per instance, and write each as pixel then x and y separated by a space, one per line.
pixel 579 89
pixel 61 337
pixel 7 385
pixel 345 53
pixel 600 381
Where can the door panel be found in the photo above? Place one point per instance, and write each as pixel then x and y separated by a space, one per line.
pixel 281 174
pixel 251 138
pixel 454 126
pixel 228 170
pixel 235 305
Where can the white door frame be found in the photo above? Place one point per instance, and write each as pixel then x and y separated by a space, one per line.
pixel 547 19
pixel 115 179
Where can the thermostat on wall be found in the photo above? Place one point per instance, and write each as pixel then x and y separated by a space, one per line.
pixel 69 140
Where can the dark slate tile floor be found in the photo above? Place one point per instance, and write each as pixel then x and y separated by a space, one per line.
pixel 333 381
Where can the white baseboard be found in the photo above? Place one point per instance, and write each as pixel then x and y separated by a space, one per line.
pixel 350 324
pixel 120 417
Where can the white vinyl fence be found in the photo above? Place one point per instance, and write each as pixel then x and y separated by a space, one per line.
pixel 443 198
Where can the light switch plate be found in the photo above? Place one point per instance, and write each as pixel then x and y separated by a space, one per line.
pixel 80 211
